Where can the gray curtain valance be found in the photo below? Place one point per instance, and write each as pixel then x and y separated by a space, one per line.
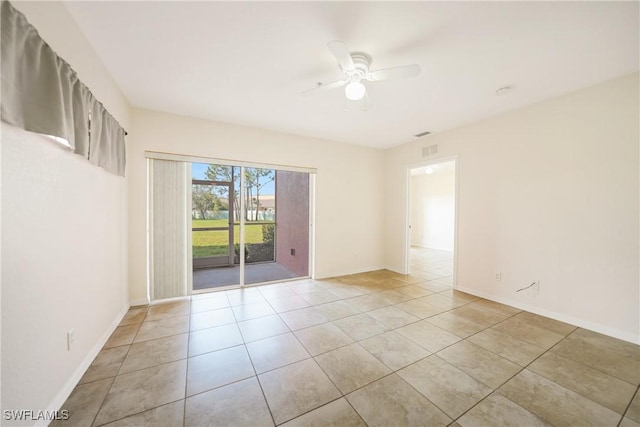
pixel 41 93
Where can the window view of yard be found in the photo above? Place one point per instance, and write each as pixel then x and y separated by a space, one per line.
pixel 216 197
pixel 212 243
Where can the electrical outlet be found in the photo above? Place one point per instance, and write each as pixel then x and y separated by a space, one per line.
pixel 498 277
pixel 71 336
pixel 293 252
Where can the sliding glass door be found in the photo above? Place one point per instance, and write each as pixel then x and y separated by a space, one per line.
pixel 212 223
pixel 216 224
pixel 260 226
pixel 249 225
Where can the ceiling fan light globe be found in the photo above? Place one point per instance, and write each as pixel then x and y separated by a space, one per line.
pixel 355 91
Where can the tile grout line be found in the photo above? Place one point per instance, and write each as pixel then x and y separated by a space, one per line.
pixel 95 417
pixel 391 329
pixel 453 420
pixel 186 375
pixel 329 321
pixel 131 344
pixel 520 371
pixel 595 368
pixel 384 376
pixel 291 331
pixel 495 391
pixel 264 396
pixel 119 373
pixel 624 414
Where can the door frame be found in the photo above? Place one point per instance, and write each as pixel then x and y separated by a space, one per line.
pixel 188 160
pixel 407 212
pixel 217 261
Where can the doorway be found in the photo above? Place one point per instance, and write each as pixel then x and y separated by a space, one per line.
pixel 212 224
pixel 432 221
pixel 249 225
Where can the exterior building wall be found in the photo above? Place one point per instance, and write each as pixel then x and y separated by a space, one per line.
pixel 292 221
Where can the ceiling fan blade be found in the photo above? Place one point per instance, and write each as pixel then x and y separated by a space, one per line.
pixel 324 87
pixel 395 73
pixel 342 54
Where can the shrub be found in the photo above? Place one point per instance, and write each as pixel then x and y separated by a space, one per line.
pixel 268 233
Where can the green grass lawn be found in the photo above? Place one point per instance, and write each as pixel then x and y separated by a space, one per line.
pixel 211 243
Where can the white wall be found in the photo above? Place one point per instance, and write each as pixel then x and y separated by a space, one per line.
pixel 64 253
pixel 549 193
pixel 348 185
pixel 433 207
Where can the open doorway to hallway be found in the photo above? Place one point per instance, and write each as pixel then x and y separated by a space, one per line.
pixel 432 213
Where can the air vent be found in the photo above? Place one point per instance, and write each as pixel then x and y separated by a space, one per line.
pixel 425 133
pixel 430 150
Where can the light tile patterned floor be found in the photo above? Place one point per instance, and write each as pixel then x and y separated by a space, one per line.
pixel 377 349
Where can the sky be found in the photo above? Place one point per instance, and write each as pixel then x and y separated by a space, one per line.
pixel 198 170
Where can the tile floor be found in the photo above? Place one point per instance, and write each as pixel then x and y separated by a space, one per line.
pixel 377 349
pixel 430 263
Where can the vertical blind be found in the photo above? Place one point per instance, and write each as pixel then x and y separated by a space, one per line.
pixel 42 93
pixel 170 268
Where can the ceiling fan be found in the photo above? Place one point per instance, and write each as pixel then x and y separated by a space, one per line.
pixel 355 70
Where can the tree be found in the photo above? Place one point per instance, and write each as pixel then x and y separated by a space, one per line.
pixel 255 179
pixel 249 181
pixel 204 200
pixel 228 174
pixel 267 176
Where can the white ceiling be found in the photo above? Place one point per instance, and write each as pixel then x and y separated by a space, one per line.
pixel 247 62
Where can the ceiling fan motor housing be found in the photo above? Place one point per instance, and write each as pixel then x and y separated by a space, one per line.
pixel 361 62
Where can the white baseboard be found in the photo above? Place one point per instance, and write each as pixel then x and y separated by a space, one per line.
pixel 582 323
pixel 393 269
pixel 347 273
pixel 142 301
pixel 166 300
pixel 72 382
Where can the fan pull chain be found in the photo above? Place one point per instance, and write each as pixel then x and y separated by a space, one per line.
pixel 365 105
